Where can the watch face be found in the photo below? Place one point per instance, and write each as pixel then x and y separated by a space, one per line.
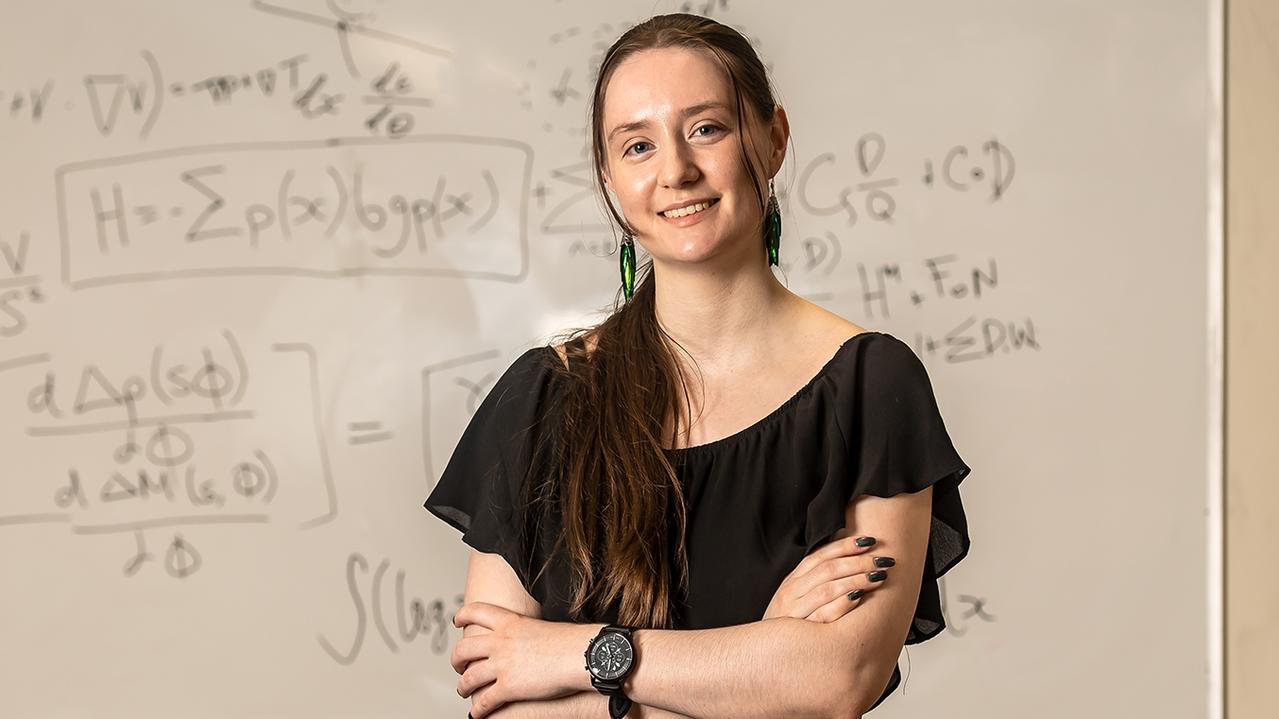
pixel 610 657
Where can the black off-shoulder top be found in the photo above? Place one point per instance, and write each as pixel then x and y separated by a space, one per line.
pixel 759 500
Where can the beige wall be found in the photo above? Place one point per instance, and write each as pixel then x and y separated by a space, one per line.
pixel 1252 359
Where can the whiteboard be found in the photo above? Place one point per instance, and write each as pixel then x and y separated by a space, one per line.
pixel 261 260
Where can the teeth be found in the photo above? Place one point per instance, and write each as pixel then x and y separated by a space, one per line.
pixel 683 211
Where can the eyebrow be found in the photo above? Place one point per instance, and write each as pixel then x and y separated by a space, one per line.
pixel 691 110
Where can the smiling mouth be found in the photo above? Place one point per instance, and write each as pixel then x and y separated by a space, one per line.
pixel 686 211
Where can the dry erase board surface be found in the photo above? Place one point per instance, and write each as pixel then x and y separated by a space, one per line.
pixel 261 259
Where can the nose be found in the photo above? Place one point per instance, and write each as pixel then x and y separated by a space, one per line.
pixel 678 167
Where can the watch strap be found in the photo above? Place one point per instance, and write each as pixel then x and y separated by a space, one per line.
pixel 618 705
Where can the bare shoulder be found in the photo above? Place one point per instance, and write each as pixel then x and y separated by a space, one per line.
pixel 826 329
pixel 591 341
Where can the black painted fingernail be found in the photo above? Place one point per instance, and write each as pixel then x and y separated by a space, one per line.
pixel 865 541
pixel 856 594
pixel 877 576
pixel 884 561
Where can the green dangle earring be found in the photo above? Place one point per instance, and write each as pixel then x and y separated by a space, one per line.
pixel 772 226
pixel 628 264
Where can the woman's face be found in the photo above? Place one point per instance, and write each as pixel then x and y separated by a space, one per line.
pixel 670 134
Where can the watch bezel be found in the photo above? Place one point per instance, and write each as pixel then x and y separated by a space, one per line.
pixel 611 635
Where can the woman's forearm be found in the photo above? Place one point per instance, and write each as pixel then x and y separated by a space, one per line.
pixel 761 670
pixel 769 668
pixel 775 667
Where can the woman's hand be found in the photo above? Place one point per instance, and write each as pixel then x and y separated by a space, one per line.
pixel 830 582
pixel 519 659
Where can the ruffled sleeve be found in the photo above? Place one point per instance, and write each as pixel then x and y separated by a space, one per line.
pixel 897 442
pixel 479 492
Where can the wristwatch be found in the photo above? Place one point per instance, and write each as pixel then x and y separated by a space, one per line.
pixel 609 659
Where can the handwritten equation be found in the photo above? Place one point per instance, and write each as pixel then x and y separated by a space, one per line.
pixel 302 208
pixel 825 187
pixel 20 289
pixel 134 98
pixel 385 603
pixel 184 438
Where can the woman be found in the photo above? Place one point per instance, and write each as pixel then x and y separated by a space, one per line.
pixel 687 561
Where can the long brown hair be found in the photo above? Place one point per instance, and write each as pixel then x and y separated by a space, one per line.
pixel 618 495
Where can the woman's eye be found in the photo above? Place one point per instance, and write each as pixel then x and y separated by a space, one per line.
pixel 714 129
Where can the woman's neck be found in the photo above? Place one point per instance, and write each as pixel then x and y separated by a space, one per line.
pixel 725 319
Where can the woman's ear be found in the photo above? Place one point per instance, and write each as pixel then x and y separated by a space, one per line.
pixel 779 134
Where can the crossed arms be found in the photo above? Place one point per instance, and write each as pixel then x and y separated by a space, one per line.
pixel 780 666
